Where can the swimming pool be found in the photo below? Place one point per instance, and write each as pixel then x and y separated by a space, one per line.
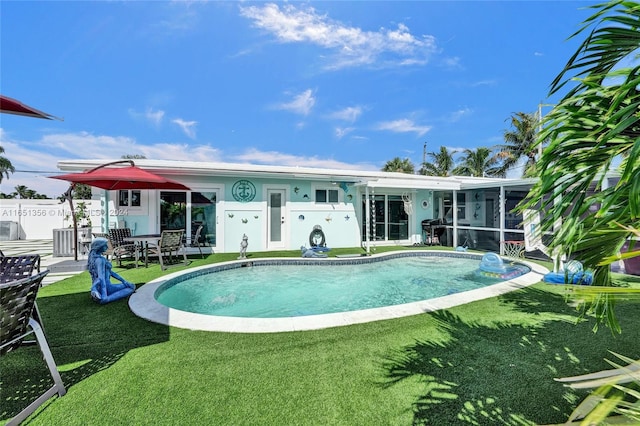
pixel 240 301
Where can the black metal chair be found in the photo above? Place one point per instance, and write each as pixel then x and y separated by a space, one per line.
pixel 121 248
pixel 13 268
pixel 17 301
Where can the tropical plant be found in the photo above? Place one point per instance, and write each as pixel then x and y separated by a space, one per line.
pixel 520 141
pixel 441 163
pixel 479 162
pixel 22 191
pixel 5 166
pixel 79 191
pixel 399 165
pixel 82 216
pixel 594 131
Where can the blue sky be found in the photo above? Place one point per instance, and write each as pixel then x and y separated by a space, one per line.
pixel 320 84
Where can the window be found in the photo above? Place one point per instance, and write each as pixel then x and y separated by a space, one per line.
pixel 326 195
pixel 462 208
pixel 129 198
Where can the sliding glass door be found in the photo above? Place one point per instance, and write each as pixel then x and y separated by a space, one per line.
pixel 189 211
pixel 389 220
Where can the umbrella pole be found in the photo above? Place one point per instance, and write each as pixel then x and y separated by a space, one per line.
pixel 69 197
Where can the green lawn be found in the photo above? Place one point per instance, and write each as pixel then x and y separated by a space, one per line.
pixel 488 362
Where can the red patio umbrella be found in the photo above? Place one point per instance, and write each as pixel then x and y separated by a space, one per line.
pixel 130 177
pixel 13 106
pixel 115 178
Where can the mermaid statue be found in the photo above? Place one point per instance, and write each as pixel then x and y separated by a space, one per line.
pixel 102 289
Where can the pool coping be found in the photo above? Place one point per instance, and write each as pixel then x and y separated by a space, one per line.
pixel 143 303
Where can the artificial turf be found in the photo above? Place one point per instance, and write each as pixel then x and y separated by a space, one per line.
pixel 488 362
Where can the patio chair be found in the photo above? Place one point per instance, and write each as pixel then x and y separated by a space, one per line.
pixel 16 267
pixel 121 248
pixel 170 243
pixel 196 240
pixel 17 301
pixel 13 268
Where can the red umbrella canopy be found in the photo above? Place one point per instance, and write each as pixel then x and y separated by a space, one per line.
pixel 13 106
pixel 130 177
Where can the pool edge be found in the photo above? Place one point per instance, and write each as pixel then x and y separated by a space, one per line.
pixel 143 304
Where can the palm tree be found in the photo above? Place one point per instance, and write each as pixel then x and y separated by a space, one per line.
pixel 399 165
pixel 22 191
pixel 479 162
pixel 520 141
pixel 593 130
pixel 5 166
pixel 441 164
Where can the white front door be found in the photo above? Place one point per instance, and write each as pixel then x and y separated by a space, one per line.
pixel 276 219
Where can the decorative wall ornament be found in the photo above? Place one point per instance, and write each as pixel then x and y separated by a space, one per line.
pixel 296 189
pixel 245 220
pixel 230 215
pixel 243 191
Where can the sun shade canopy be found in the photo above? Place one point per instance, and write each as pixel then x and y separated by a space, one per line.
pixel 13 106
pixel 115 178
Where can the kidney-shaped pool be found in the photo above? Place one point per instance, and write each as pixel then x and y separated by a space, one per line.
pixel 287 294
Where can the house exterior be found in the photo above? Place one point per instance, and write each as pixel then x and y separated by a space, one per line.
pixel 286 208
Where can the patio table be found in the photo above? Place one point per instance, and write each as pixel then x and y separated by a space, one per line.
pixel 143 242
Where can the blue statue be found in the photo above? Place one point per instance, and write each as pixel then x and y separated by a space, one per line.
pixel 102 290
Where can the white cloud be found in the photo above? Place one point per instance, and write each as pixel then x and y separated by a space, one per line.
pixel 349 114
pixel 452 62
pixel 181 152
pixel 484 83
pixel 351 46
pixel 188 127
pixel 300 104
pixel 154 116
pixel 42 155
pixel 403 125
pixel 343 131
pixel 459 114
pixel 255 156
pixel 151 116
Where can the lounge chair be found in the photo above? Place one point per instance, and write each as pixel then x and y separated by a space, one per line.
pixel 170 243
pixel 17 301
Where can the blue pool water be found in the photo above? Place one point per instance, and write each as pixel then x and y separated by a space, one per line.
pixel 290 290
